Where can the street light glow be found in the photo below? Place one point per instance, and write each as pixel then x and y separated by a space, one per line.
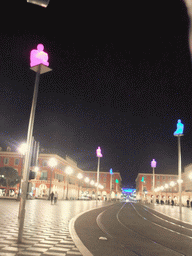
pixel 86 179
pixel 79 176
pixel 23 148
pixel 166 186
pixel 172 183
pixel 52 162
pixel 69 170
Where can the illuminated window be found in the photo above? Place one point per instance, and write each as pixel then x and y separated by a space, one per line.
pixel 43 175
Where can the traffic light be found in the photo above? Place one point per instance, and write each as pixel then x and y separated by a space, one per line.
pixel 43 3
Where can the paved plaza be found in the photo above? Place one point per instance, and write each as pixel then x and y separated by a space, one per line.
pixel 46 230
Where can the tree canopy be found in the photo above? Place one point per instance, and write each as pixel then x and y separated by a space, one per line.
pixel 9 177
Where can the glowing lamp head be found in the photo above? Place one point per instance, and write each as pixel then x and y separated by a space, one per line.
pixel 79 176
pixel 98 152
pixel 38 56
pixel 153 163
pixel 111 171
pixel 52 162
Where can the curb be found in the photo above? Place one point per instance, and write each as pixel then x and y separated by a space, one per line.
pixel 74 235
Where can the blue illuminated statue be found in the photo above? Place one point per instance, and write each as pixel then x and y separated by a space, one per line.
pixel 180 128
pixel 111 171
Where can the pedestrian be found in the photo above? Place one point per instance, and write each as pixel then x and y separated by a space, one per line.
pixel 52 196
pixel 188 203
pixel 55 197
pixel 191 204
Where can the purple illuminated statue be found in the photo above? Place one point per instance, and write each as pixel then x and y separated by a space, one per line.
pixel 98 151
pixel 39 56
pixel 153 163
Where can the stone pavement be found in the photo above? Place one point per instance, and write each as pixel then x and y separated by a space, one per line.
pixel 46 230
pixel 173 211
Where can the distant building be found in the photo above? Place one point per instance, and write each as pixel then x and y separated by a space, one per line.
pixel 67 186
pixel 144 186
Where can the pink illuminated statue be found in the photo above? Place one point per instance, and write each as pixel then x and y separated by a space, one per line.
pixel 98 151
pixel 39 56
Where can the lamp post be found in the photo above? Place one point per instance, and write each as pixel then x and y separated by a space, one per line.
pixel 99 155
pixel 39 64
pixel 68 171
pixel 22 150
pixel 166 187
pixel 153 165
pixel 172 184
pixel 79 176
pixel 52 163
pixel 178 133
pixel 111 173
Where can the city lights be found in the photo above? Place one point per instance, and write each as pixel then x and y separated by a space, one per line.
pixel 79 176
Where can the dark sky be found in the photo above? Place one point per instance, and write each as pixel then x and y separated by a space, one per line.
pixel 122 77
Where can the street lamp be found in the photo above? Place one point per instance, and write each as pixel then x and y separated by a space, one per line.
pixel 111 173
pixel 153 165
pixel 68 171
pixel 166 187
pixel 52 163
pixel 39 64
pixel 178 133
pixel 99 155
pixel 22 150
pixel 172 184
pixel 79 176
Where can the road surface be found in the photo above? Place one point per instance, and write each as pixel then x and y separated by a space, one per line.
pixel 133 229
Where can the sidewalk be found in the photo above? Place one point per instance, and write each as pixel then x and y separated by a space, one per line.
pixel 173 212
pixel 46 230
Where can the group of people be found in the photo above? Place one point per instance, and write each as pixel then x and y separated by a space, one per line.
pixel 188 203
pixel 54 197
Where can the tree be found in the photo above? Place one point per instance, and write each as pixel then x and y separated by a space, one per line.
pixel 8 177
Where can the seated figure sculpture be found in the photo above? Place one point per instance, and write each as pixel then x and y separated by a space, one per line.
pixel 180 128
pixel 39 56
pixel 98 151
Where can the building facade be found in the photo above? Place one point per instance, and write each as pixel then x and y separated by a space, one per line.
pixel 166 187
pixel 66 178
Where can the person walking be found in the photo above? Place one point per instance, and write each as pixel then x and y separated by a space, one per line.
pixel 55 197
pixel 52 196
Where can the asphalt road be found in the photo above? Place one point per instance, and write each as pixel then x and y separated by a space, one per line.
pixel 133 229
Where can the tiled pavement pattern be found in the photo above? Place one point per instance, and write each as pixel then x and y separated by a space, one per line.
pixel 46 230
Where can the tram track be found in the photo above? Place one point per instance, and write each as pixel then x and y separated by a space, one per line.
pixel 151 242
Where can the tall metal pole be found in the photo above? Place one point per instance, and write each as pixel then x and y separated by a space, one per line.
pixel 50 183
pixel 97 178
pixel 179 171
pixel 153 185
pixel 110 186
pixel 27 158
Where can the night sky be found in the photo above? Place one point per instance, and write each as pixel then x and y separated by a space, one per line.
pixel 122 77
